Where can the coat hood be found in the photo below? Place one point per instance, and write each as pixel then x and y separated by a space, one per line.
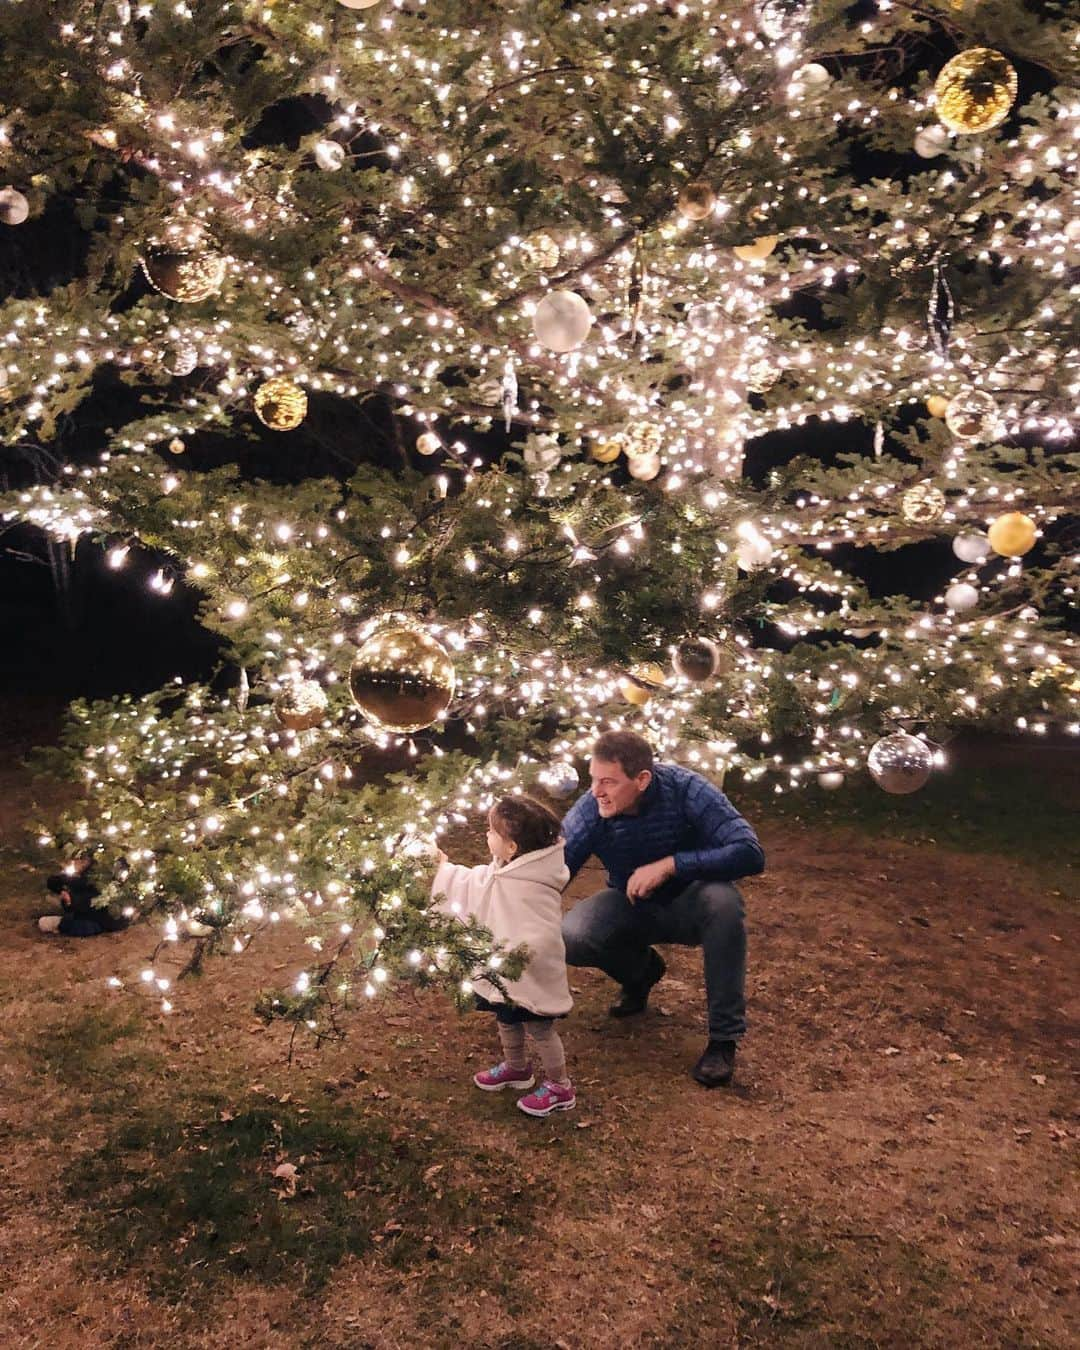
pixel 547 866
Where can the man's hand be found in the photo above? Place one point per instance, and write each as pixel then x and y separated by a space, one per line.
pixel 644 880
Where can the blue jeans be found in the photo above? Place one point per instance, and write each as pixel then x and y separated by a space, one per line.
pixel 609 933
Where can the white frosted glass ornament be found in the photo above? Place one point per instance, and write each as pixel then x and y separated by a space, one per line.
pixel 809 82
pixel 562 321
pixel 900 763
pixel 971 548
pixel 428 443
pixel 14 208
pixel 961 596
pixel 329 155
pixel 931 142
pixel 830 780
pixel 753 551
pixel 358 4
pixel 644 467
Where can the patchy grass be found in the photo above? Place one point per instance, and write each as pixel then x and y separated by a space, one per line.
pixel 190 1197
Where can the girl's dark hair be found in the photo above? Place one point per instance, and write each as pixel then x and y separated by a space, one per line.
pixel 526 822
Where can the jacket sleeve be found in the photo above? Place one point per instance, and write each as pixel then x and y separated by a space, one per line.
pixel 578 828
pixel 728 847
pixel 459 886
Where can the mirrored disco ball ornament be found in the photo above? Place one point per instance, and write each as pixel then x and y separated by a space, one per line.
pixel 562 321
pixel 402 679
pixel 696 659
pixel 900 763
pixel 971 548
pixel 961 596
pixel 972 415
pixel 280 404
pixel 181 359
pixel 922 504
pixel 184 266
pixel 540 252
pixel 560 780
pixel 830 780
pixel 975 91
pixel 301 705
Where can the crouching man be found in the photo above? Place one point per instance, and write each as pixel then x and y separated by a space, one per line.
pixel 673 845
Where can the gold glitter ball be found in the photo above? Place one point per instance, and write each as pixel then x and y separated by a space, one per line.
pixel 922 504
pixel 280 404
pixel 188 273
pixel 301 705
pixel 402 679
pixel 975 91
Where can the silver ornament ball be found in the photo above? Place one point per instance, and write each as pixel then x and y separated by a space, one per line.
pixel 900 763
pixel 560 779
pixel 562 321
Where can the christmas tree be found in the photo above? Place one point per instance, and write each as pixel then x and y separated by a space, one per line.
pixel 677 319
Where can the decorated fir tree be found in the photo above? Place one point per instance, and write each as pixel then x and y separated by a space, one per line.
pixel 584 259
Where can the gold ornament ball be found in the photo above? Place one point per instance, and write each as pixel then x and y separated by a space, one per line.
pixel 972 415
pixel 280 404
pixel 427 443
pixel 608 450
pixel 975 91
pixel 1012 535
pixel 696 201
pixel 402 679
pixel 640 682
pixel 301 705
pixel 937 405
pixel 922 504
pixel 176 446
pixel 184 273
pixel 758 250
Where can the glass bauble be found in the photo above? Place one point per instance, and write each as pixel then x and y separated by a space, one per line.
pixel 562 321
pixel 1012 535
pixel 696 659
pixel 900 763
pixel 643 467
pixel 975 91
pixel 640 682
pixel 280 404
pixel 830 779
pixel 961 596
pixel 542 454
pixel 922 504
pixel 402 679
pixel 937 405
pixel 696 201
pixel 14 208
pixel 301 705
pixel 329 155
pixel 971 548
pixel 428 443
pixel 972 415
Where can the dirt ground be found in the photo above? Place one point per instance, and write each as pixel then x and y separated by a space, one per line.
pixel 895 1165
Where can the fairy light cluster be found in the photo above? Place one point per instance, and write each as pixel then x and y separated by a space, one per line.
pixel 421 284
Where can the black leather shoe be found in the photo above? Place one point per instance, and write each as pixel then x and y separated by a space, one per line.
pixel 635 998
pixel 716 1065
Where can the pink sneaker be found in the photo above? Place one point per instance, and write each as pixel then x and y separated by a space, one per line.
pixel 503 1076
pixel 548 1097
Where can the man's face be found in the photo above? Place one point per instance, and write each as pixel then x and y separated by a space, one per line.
pixel 615 793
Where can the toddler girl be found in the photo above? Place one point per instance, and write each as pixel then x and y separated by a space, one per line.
pixel 517 896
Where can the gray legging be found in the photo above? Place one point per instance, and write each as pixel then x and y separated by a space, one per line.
pixel 608 932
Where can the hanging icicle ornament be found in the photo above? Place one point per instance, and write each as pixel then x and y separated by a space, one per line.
pixel 509 392
pixel 879 439
pixel 940 310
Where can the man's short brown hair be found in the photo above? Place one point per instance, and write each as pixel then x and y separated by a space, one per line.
pixel 625 748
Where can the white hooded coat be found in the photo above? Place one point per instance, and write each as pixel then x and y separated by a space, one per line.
pixel 520 902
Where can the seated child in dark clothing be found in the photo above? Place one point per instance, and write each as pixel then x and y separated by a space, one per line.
pixel 81 917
